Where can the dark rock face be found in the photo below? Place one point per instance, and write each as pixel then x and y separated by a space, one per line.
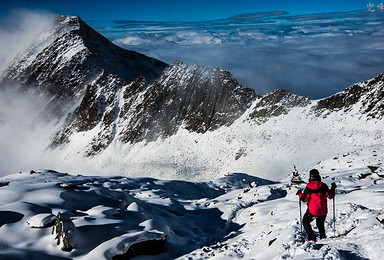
pixel 368 96
pixel 193 97
pixel 276 103
pixel 196 98
pixel 374 100
pixel 99 106
pixel 370 93
pixel 341 100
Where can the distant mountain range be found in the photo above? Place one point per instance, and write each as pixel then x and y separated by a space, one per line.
pixel 115 95
pixel 258 15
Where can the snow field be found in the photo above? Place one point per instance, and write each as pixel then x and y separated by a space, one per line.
pixel 272 231
pixel 235 216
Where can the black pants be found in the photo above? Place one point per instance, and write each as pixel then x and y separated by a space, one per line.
pixel 307 219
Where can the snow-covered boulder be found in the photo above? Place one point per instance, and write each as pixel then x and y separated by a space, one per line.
pixel 140 243
pixel 42 220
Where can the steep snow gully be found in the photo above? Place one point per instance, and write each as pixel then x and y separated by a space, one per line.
pixel 235 216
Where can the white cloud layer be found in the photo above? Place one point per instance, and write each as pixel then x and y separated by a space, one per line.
pixel 24 134
pixel 311 55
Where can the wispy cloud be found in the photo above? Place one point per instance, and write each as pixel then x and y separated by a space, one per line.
pixel 18 31
pixel 23 133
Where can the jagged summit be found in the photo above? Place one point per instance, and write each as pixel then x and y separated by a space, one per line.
pixel 197 98
pixel 117 94
pixel 72 56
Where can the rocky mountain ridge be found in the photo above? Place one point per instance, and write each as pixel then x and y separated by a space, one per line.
pixel 370 95
pixel 123 96
pixel 193 97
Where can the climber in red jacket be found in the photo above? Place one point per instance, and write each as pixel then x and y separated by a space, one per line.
pixel 316 194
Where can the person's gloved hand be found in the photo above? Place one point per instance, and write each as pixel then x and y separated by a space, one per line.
pixel 333 185
pixel 298 192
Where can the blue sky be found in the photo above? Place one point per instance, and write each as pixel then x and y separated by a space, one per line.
pixel 181 10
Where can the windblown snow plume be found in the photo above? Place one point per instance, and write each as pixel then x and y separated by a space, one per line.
pixel 24 131
pixel 18 31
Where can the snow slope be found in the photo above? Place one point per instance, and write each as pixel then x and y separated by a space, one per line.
pixel 272 231
pixel 267 147
pixel 236 216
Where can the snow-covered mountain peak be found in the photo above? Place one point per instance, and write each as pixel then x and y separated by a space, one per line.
pixel 72 56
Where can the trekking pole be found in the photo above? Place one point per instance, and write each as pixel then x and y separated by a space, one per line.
pixel 301 224
pixel 334 217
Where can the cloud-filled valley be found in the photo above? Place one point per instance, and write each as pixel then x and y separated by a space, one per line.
pixel 268 52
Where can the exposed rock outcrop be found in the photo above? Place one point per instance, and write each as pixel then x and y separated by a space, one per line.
pixel 370 94
pixel 276 103
pixel 64 230
pixel 142 243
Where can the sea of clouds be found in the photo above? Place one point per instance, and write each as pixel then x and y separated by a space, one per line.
pixel 311 55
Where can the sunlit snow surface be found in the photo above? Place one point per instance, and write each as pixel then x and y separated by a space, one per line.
pixel 311 55
pixel 234 216
pixel 269 150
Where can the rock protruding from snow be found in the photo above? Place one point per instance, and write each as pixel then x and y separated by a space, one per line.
pixel 196 98
pixel 65 231
pixel 276 103
pixel 141 243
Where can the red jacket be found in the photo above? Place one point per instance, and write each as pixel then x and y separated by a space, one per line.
pixel 316 194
